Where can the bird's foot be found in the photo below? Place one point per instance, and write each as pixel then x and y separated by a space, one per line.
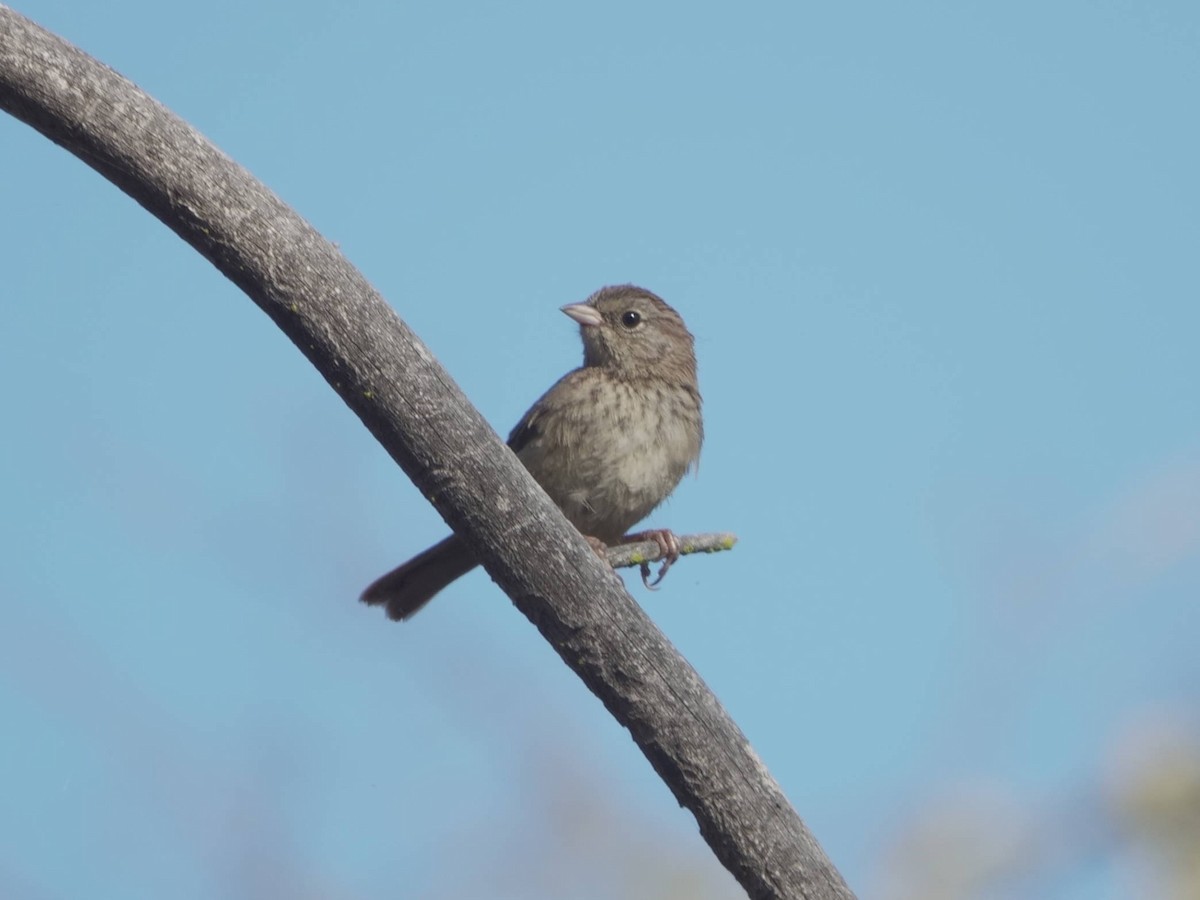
pixel 668 546
pixel 598 545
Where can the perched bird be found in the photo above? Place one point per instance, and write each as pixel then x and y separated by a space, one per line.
pixel 608 442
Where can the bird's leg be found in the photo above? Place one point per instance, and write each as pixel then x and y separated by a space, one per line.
pixel 668 546
pixel 597 545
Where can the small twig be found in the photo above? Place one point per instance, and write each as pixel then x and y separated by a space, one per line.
pixel 637 554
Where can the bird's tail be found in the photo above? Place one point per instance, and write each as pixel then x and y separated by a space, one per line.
pixel 407 588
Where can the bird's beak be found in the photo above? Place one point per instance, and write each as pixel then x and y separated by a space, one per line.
pixel 583 314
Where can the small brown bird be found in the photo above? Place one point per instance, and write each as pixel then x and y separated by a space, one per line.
pixel 608 442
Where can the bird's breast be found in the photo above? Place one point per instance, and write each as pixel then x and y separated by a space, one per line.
pixel 608 452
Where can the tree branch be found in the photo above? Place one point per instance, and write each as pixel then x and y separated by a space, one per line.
pixel 622 556
pixel 391 381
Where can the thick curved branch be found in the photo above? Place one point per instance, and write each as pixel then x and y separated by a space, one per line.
pixel 419 415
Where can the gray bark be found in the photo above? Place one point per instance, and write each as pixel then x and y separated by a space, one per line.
pixel 390 380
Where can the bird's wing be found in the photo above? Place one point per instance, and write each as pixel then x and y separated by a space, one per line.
pixel 525 431
pixel 529 427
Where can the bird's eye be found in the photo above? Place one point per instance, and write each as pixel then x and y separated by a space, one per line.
pixel 631 318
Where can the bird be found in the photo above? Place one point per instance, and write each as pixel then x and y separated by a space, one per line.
pixel 608 442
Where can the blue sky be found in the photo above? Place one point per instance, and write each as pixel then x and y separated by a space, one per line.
pixel 940 260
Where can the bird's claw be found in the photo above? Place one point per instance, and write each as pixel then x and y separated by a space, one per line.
pixel 668 546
